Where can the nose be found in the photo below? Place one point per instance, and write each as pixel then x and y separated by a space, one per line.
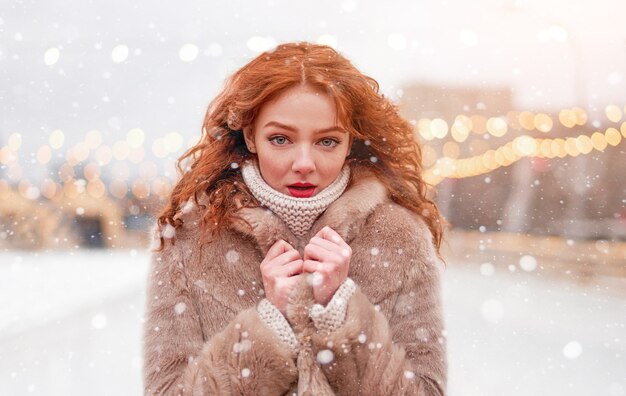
pixel 303 162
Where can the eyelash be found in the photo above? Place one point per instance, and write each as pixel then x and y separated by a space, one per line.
pixel 336 141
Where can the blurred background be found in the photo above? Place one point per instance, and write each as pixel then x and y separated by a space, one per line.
pixel 519 105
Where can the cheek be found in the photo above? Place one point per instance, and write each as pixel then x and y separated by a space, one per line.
pixel 273 169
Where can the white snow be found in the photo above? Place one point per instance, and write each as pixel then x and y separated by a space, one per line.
pixel 71 323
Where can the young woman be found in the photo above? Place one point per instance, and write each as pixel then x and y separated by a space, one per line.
pixel 298 253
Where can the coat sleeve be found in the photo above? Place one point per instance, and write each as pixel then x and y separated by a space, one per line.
pixel 405 355
pixel 245 358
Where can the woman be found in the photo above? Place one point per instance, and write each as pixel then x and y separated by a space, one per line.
pixel 299 253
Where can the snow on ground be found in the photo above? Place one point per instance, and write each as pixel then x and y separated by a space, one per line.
pixel 70 324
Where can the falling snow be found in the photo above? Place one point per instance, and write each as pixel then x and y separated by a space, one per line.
pixel 325 356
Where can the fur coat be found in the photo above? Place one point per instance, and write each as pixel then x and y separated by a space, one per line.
pixel 203 334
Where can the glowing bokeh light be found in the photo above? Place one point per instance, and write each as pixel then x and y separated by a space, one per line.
pixel 496 126
pixel 188 52
pixel 439 128
pixel 543 122
pixel 56 139
pixel 44 154
pixel 613 113
pixel 119 53
pixel 567 118
pixel 51 56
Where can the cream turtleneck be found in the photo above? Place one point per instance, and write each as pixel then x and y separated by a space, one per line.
pixel 298 213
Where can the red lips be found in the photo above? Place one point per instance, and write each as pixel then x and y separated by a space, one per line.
pixel 301 190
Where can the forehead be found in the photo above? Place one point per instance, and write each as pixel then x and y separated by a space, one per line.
pixel 299 102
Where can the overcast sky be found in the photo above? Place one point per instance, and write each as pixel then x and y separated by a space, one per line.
pixel 58 68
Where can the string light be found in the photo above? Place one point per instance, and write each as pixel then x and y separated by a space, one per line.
pixel 522 146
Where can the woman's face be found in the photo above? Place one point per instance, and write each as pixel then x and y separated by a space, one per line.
pixel 297 141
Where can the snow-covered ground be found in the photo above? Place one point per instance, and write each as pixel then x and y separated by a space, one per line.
pixel 70 324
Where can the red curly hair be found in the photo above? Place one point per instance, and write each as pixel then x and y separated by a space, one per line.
pixel 373 121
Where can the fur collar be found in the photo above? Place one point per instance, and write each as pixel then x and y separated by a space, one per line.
pixel 345 215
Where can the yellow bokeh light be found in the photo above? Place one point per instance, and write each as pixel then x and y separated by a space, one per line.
pixel 544 148
pixel 159 148
pixel 527 120
pixel 489 159
pixel 584 144
pixel 78 153
pixel 118 188
pixel 28 190
pixel 44 154
pixel 613 113
pixel 92 171
pixel 93 139
pixel 56 139
pixel 524 145
pixel 479 124
pixel 496 126
pixel 451 149
pixel 567 118
pixel 72 188
pixel 49 189
pixel 121 150
pixel 103 155
pixel 66 172
pixel 599 141
pixel 135 137
pixel 623 129
pixel 15 141
pixel 499 156
pixel 570 147
pixel 558 147
pixel 612 136
pixel 96 188
pixel 461 128
pixel 173 141
pixel 423 127
pixel 543 122
pixel 439 128
pixel 509 153
pixel 581 116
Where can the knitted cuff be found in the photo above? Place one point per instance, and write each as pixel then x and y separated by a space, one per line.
pixel 274 319
pixel 331 317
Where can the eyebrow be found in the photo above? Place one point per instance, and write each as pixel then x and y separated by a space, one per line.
pixel 292 129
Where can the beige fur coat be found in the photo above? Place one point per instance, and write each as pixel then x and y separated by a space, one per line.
pixel 203 334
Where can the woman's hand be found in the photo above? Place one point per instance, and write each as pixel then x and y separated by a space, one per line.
pixel 327 257
pixel 281 270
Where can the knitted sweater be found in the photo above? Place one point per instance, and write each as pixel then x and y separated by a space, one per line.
pixel 299 214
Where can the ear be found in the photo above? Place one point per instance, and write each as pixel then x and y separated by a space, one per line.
pixel 248 135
